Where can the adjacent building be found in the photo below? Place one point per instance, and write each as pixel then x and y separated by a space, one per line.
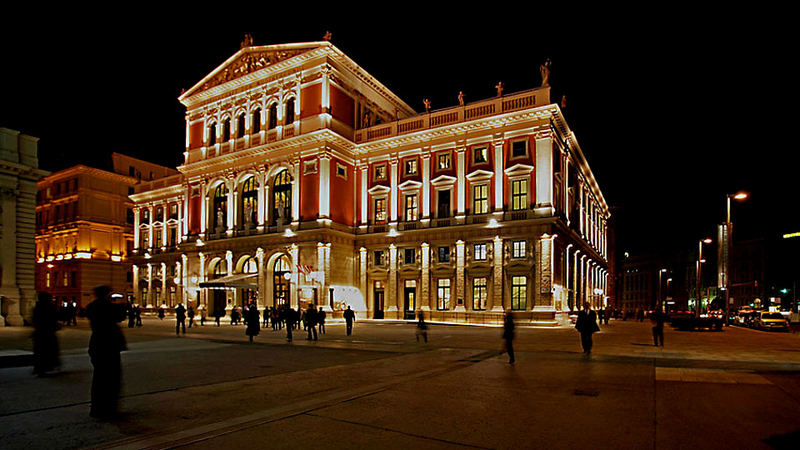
pixel 19 172
pixel 306 180
pixel 84 233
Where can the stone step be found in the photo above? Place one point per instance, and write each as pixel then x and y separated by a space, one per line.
pixel 15 358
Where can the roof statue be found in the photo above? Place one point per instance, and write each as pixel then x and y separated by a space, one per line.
pixel 544 69
pixel 563 102
pixel 499 88
pixel 247 42
pixel 461 98
pixel 328 35
pixel 427 104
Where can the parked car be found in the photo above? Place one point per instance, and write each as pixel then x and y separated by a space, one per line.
pixel 772 321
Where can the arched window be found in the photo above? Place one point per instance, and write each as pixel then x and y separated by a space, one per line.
pixel 212 134
pixel 256 121
pixel 220 209
pixel 220 269
pixel 249 201
pixel 282 198
pixel 226 130
pixel 280 288
pixel 289 111
pixel 250 265
pixel 240 126
pixel 273 116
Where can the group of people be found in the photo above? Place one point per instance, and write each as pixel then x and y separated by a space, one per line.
pixel 134 314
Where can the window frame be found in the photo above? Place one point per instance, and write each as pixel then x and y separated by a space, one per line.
pixel 524 140
pixel 407 208
pixel 410 163
pixel 383 170
pixel 479 301
pixel 446 254
pixel 384 199
pixel 519 202
pixel 443 294
pixel 447 158
pixel 519 293
pixel 479 251
pixel 484 150
pixel 519 249
pixel 484 200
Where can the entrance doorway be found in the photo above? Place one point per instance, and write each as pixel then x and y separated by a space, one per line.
pixel 377 298
pixel 443 209
pixel 409 299
pixel 280 286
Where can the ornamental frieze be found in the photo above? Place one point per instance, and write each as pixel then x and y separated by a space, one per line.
pixel 249 63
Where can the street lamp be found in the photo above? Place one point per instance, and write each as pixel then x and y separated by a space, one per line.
pixel 700 261
pixel 660 302
pixel 739 196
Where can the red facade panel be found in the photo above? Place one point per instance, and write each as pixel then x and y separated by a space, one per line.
pixel 342 107
pixel 196 135
pixel 309 189
pixel 311 101
pixel 342 192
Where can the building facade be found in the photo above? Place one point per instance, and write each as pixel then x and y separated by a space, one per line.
pixel 307 181
pixel 84 233
pixel 19 172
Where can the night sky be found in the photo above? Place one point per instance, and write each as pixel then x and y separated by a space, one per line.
pixel 672 110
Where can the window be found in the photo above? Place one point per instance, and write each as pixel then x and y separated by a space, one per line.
pixel 443 161
pixel 518 249
pixel 173 211
pixel 519 149
pixel 411 208
pixel 273 116
pixel 66 279
pixel 341 171
pixel 409 255
pixel 157 237
pixel 249 200
pixel 519 195
pixel 309 167
pixel 519 293
pixel 411 167
pixel 226 130
pixel 380 172
pixel 282 198
pixel 146 216
pixel 240 126
pixel 479 294
pixel 130 191
pixel 480 199
pixel 159 214
pixel 444 254
pixel 256 126
pixel 131 171
pixel 212 134
pixel 290 111
pixel 378 257
pixel 380 210
pixel 220 209
pixel 480 252
pixel 443 293
pixel 480 155
pixel 47 279
pixel 129 216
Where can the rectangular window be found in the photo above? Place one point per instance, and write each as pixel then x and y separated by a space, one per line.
pixel 480 155
pixel 443 294
pixel 519 293
pixel 519 195
pixel 380 210
pixel 378 257
pixel 157 237
pixel 444 254
pixel 480 252
pixel 341 171
pixel 411 167
pixel 479 294
pixel 518 249
pixel 173 211
pixel 480 199
pixel 443 161
pixel 411 208
pixel 66 279
pixel 73 278
pixel 409 256
pixel 380 172
pixel 47 279
pixel 519 148
pixel 309 167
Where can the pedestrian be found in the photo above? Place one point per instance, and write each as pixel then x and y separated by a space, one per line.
pixel 161 310
pixel 422 327
pixel 45 343
pixel 131 311
pixel 266 317
pixel 105 345
pixel 311 321
pixel 608 313
pixel 508 335
pixel 68 312
pixel 137 310
pixel 349 318
pixel 190 315
pixel 289 317
pixel 658 318
pixel 253 327
pixel 586 325
pixel 203 314
pixel 180 319
pixel 218 313
pixel 74 313
pixel 600 315
pixel 321 320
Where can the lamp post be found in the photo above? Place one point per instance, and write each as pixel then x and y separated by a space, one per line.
pixel 700 261
pixel 739 196
pixel 660 302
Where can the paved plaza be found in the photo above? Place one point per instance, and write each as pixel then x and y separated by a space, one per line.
pixel 379 388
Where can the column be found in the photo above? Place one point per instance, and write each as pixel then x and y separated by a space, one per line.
pixel 544 262
pixel 293 285
pixel 165 211
pixel 203 208
pixel 150 242
pixel 393 196
pixel 497 300
pixel 187 197
pixel 262 288
pixel 296 191
pixel 460 277
pixel 364 197
pixel 135 283
pixel 179 230
pixel 231 184
pixel 565 303
pixel 324 185
pixel 499 181
pixel 362 275
pixel 391 294
pixel 185 278
pixel 565 185
pixel 164 294
pixel 136 237
pixel 149 300
pixel 426 186
pixel 544 173
pixel 582 298
pixel 581 213
pixel 462 180
pixel 262 200
pixel 179 284
pixel 575 302
pixel 201 293
pixel 425 282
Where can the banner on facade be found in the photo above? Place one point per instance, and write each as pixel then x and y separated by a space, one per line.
pixel 723 253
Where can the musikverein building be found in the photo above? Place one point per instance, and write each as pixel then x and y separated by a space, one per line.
pixel 306 180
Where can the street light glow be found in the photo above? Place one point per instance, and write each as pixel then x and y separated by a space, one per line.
pixel 707 241
pixel 741 195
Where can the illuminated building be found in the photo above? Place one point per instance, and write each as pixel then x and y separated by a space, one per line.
pixel 306 180
pixel 84 234
pixel 19 172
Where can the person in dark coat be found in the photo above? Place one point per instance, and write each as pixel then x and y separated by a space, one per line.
pixel 131 311
pixel 180 319
pixel 349 318
pixel 105 345
pixel 311 321
pixel 586 326
pixel 508 335
pixel 190 315
pixel 138 312
pixel 161 310
pixel 253 324
pixel 321 319
pixel 658 319
pixel 45 343
pixel 422 327
pixel 289 317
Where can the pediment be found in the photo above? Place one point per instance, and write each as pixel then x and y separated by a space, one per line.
pixel 410 184
pixel 519 169
pixel 378 190
pixel 443 180
pixel 479 175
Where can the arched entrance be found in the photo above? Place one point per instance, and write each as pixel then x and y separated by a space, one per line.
pixel 280 285
pixel 219 210
pixel 218 296
pixel 249 266
pixel 249 211
pixel 282 198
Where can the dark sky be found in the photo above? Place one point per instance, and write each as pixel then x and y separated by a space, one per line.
pixel 673 110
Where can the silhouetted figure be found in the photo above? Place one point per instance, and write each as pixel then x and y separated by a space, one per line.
pixel 508 335
pixel 190 315
pixel 131 312
pixel 105 345
pixel 74 313
pixel 601 313
pixel 290 319
pixel 422 327
pixel 138 313
pixel 349 318
pixel 218 313
pixel 586 325
pixel 180 319
pixel 70 313
pixel 202 315
pixel 311 322
pixel 161 311
pixel 45 343
pixel 253 327
pixel 321 320
pixel 607 315
pixel 658 319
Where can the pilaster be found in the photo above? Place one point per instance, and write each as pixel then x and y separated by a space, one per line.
pixel 392 295
pixel 460 277
pixel 498 280
pixel 425 282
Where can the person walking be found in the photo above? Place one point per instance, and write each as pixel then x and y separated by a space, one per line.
pixel 45 343
pixel 422 327
pixel 586 326
pixel 190 315
pixel 138 312
pixel 289 317
pixel 321 319
pixel 349 318
pixel 311 321
pixel 253 324
pixel 658 318
pixel 508 335
pixel 180 319
pixel 202 309
pixel 131 312
pixel 161 310
pixel 218 313
pixel 105 345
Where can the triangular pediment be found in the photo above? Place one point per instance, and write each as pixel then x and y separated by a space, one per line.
pixel 410 184
pixel 443 180
pixel 378 190
pixel 519 169
pixel 479 175
pixel 249 60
